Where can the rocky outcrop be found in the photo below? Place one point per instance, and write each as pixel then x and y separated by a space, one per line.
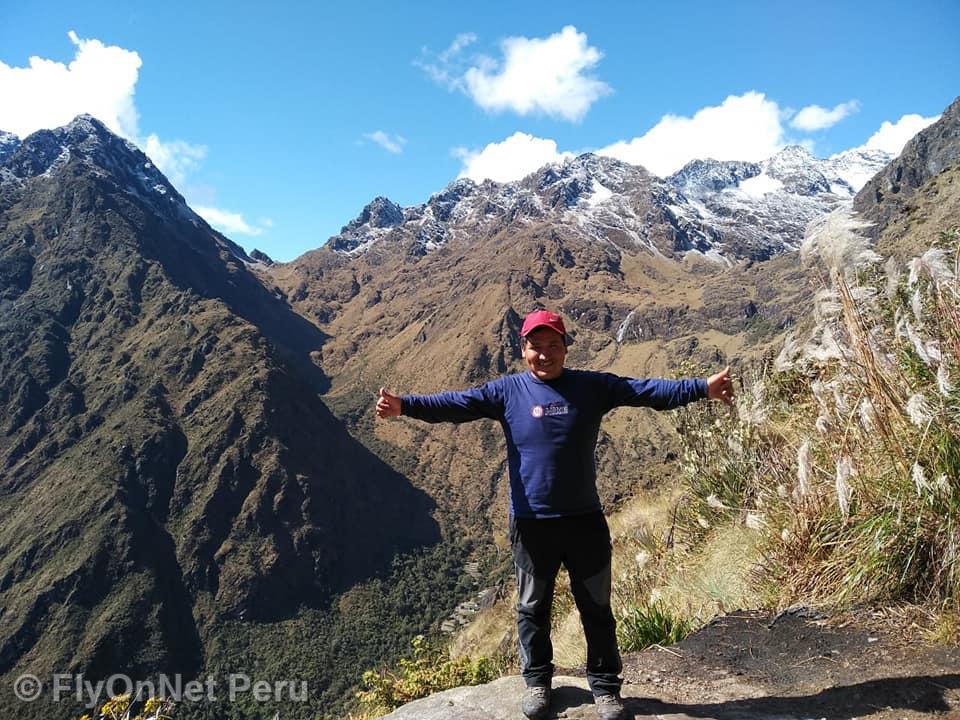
pixel 748 665
pixel 499 700
pixel 928 154
pixel 261 256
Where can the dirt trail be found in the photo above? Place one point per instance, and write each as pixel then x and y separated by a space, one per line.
pixel 750 666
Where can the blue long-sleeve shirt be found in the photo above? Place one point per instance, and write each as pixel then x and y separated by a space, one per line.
pixel 551 428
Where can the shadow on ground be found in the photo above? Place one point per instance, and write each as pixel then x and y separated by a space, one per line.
pixel 922 694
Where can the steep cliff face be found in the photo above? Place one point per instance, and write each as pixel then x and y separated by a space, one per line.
pixel 166 463
pixel 928 154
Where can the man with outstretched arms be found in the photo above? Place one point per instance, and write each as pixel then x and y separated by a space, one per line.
pixel 551 418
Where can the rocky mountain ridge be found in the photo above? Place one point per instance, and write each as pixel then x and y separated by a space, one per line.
pixel 102 154
pixel 925 156
pixel 723 210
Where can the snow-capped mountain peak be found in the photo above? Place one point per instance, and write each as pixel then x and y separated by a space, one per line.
pixel 723 209
pixel 89 141
pixel 381 212
pixel 104 156
pixel 799 171
pixel 857 166
pixel 699 177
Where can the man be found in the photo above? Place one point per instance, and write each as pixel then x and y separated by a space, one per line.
pixel 551 417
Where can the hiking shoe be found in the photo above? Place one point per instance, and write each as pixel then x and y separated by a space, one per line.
pixel 609 707
pixel 536 702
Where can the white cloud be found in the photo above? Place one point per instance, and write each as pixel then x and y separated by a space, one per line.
pixel 747 127
pixel 391 143
pixel 814 117
pixel 444 70
pixel 548 76
pixel 227 222
pixel 100 80
pixel 514 158
pixel 743 127
pixel 891 137
pixel 459 43
pixel 175 158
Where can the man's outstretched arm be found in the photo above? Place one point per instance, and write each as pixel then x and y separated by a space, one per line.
pixel 661 394
pixel 451 406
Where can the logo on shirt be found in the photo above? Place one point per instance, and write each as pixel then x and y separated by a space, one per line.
pixel 539 411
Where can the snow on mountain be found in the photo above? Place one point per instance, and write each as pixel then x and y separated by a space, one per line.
pixel 760 185
pixel 722 210
pixel 104 156
pixel 799 171
pixel 699 177
pixel 8 145
pixel 45 152
pixel 858 166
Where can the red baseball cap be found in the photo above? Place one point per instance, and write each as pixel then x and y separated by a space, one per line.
pixel 542 318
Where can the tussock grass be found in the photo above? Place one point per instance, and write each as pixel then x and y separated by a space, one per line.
pixel 660 571
pixel 641 627
pixel 844 455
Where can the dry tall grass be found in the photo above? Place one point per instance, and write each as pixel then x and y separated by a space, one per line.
pixel 845 452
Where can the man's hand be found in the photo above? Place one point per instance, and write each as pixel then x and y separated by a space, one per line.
pixel 388 404
pixel 720 386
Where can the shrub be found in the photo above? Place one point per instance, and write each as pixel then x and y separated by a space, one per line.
pixel 122 707
pixel 429 670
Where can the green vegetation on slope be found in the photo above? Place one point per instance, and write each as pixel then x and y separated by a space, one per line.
pixel 369 626
pixel 429 669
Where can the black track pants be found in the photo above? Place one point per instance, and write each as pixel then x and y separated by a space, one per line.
pixel 581 544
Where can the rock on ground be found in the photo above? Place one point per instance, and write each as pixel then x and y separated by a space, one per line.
pixel 795 665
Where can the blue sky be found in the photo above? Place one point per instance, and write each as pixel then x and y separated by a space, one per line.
pixel 279 122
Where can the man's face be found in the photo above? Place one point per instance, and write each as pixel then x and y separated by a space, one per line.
pixel 544 350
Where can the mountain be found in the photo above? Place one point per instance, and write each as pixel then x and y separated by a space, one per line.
pixel 191 478
pixel 167 467
pixel 883 200
pixel 649 277
pixel 724 210
pixel 764 207
pixel 622 251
